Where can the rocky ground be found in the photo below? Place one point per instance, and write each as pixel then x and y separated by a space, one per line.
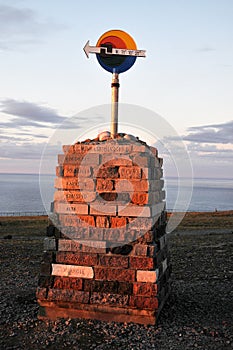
pixel 199 314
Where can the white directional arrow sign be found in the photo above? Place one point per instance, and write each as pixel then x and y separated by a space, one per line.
pixel 123 52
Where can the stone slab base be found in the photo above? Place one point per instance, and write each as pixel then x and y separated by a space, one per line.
pixel 54 312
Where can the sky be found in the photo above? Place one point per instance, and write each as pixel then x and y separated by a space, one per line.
pixel 186 78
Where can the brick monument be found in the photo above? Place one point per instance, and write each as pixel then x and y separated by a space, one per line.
pixel 105 254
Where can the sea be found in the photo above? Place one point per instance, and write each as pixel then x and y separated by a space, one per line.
pixel 33 194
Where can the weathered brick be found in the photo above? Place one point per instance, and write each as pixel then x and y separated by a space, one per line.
pixel 68 283
pixel 134 210
pixel 125 288
pixel 76 208
pixel 68 295
pixel 59 170
pixel 132 172
pixel 76 258
pixel 123 185
pixel 112 147
pixel 107 172
pixel 116 160
pixel 113 261
pixel 75 196
pixel 102 273
pixel 98 208
pixel 77 220
pixel 141 223
pixel 96 233
pixel 141 160
pixel 72 271
pixel 146 289
pixel 101 286
pixel 102 221
pixel 140 198
pixel 154 151
pixel 144 263
pixel 74 183
pixel 104 185
pixel 147 276
pixel 118 221
pixel 142 302
pixel 140 250
pixel 111 299
pixel 68 148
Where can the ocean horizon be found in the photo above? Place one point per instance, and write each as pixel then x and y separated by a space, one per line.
pixel 34 193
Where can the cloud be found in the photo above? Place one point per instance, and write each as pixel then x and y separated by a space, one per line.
pixel 31 111
pixel 20 27
pixel 213 133
pixel 27 150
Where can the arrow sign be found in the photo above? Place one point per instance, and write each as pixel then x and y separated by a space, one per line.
pixel 112 51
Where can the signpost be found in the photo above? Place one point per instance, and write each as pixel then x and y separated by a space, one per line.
pixel 116 52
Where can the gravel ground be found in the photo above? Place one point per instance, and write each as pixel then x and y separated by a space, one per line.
pixel 198 314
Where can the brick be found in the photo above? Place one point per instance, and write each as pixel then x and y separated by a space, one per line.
pixel 72 258
pixel 75 208
pixel 114 261
pixel 140 198
pixel 112 234
pixel 96 233
pixel 122 185
pixel 59 170
pixel 118 222
pixel 111 299
pixel 144 263
pixel 140 250
pixel 68 295
pixel 77 158
pixel 68 283
pixel 111 147
pixel 147 276
pixel 101 286
pixel 154 151
pixel 77 220
pixel 74 170
pixel 103 185
pixel 102 221
pixel 152 250
pixel 74 183
pixel 125 288
pixel 68 148
pixel 139 148
pixel 118 274
pixel 141 160
pixel 141 223
pixel 134 210
pixel 98 208
pixel 50 243
pixel 132 172
pixel 146 289
pixel 85 246
pixel 107 172
pixel 142 302
pixel 72 271
pixel 116 160
pixel 75 196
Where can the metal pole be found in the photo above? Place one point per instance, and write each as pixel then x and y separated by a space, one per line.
pixel 115 96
